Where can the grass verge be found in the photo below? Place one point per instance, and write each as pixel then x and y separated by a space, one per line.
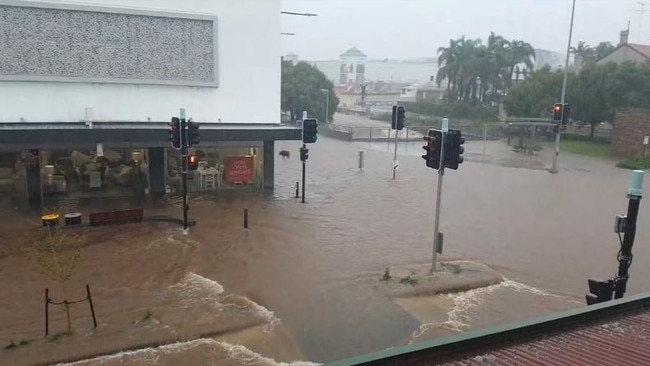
pixel 588 148
pixel 635 164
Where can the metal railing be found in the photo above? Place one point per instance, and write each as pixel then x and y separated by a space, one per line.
pixel 410 133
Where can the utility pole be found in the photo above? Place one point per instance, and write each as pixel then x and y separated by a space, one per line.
pixel 562 99
pixel 642 11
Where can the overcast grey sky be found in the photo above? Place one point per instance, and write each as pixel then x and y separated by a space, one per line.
pixel 416 28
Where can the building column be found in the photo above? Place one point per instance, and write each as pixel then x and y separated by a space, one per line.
pixel 33 180
pixel 157 172
pixel 269 164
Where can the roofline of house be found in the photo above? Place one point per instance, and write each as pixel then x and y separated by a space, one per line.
pixel 631 45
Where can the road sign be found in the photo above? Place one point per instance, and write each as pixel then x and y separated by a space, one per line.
pixel 646 139
pixel 395 165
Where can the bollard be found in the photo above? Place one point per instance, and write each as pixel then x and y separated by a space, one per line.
pixel 297 189
pixel 360 160
pixel 245 218
pixel 47 314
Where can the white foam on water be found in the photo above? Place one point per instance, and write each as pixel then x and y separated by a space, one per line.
pixel 266 314
pixel 151 355
pixel 194 288
pixel 248 357
pixel 172 238
pixel 458 320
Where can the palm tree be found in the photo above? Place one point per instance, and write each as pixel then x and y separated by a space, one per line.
pixel 448 68
pixel 519 52
pixel 466 61
pixel 498 48
pixel 583 53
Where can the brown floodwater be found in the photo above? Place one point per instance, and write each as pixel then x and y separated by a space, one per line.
pixel 547 233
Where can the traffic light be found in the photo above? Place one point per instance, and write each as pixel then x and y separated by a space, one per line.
pixel 193 133
pixel 393 118
pixel 401 117
pixel 566 114
pixel 309 130
pixel 454 149
pixel 192 162
pixel 599 291
pixel 304 154
pixel 175 133
pixel 434 142
pixel 557 112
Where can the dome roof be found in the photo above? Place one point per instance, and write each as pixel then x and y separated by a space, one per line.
pixel 353 52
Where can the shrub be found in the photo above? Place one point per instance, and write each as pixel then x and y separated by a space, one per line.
pixel 638 163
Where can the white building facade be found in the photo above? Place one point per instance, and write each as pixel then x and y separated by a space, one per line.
pixel 240 40
pixel 88 88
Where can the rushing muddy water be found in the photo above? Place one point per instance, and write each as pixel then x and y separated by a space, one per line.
pixel 547 233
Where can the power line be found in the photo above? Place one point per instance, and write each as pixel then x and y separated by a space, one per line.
pixel 299 14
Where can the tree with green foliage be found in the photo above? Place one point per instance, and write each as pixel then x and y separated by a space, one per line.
pixel 592 96
pixel 585 54
pixel 536 95
pixel 302 90
pixel 595 93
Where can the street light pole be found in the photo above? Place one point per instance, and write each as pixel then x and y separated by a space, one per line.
pixel 327 104
pixel 562 99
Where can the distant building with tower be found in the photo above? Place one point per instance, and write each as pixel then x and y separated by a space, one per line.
pixel 291 57
pixel 352 67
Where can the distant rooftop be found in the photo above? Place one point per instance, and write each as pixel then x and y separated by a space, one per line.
pixel 641 48
pixel 353 52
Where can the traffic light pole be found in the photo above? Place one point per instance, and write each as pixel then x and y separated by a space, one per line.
pixel 395 155
pixel 436 228
pixel 304 164
pixel 625 255
pixel 184 143
pixel 562 99
pixel 601 291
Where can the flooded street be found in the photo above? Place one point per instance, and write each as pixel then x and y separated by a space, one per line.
pixel 546 233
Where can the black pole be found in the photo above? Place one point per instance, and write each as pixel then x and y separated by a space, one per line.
pixel 92 308
pixel 184 142
pixel 304 161
pixel 47 302
pixel 245 218
pixel 297 189
pixel 625 256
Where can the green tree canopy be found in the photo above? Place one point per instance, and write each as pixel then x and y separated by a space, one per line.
pixel 535 96
pixel 302 90
pixel 595 93
pixel 586 54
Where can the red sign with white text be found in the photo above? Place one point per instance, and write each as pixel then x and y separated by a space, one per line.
pixel 240 169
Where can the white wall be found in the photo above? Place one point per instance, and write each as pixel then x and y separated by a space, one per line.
pixel 249 75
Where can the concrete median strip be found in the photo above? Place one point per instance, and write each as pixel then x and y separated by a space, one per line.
pixel 452 276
